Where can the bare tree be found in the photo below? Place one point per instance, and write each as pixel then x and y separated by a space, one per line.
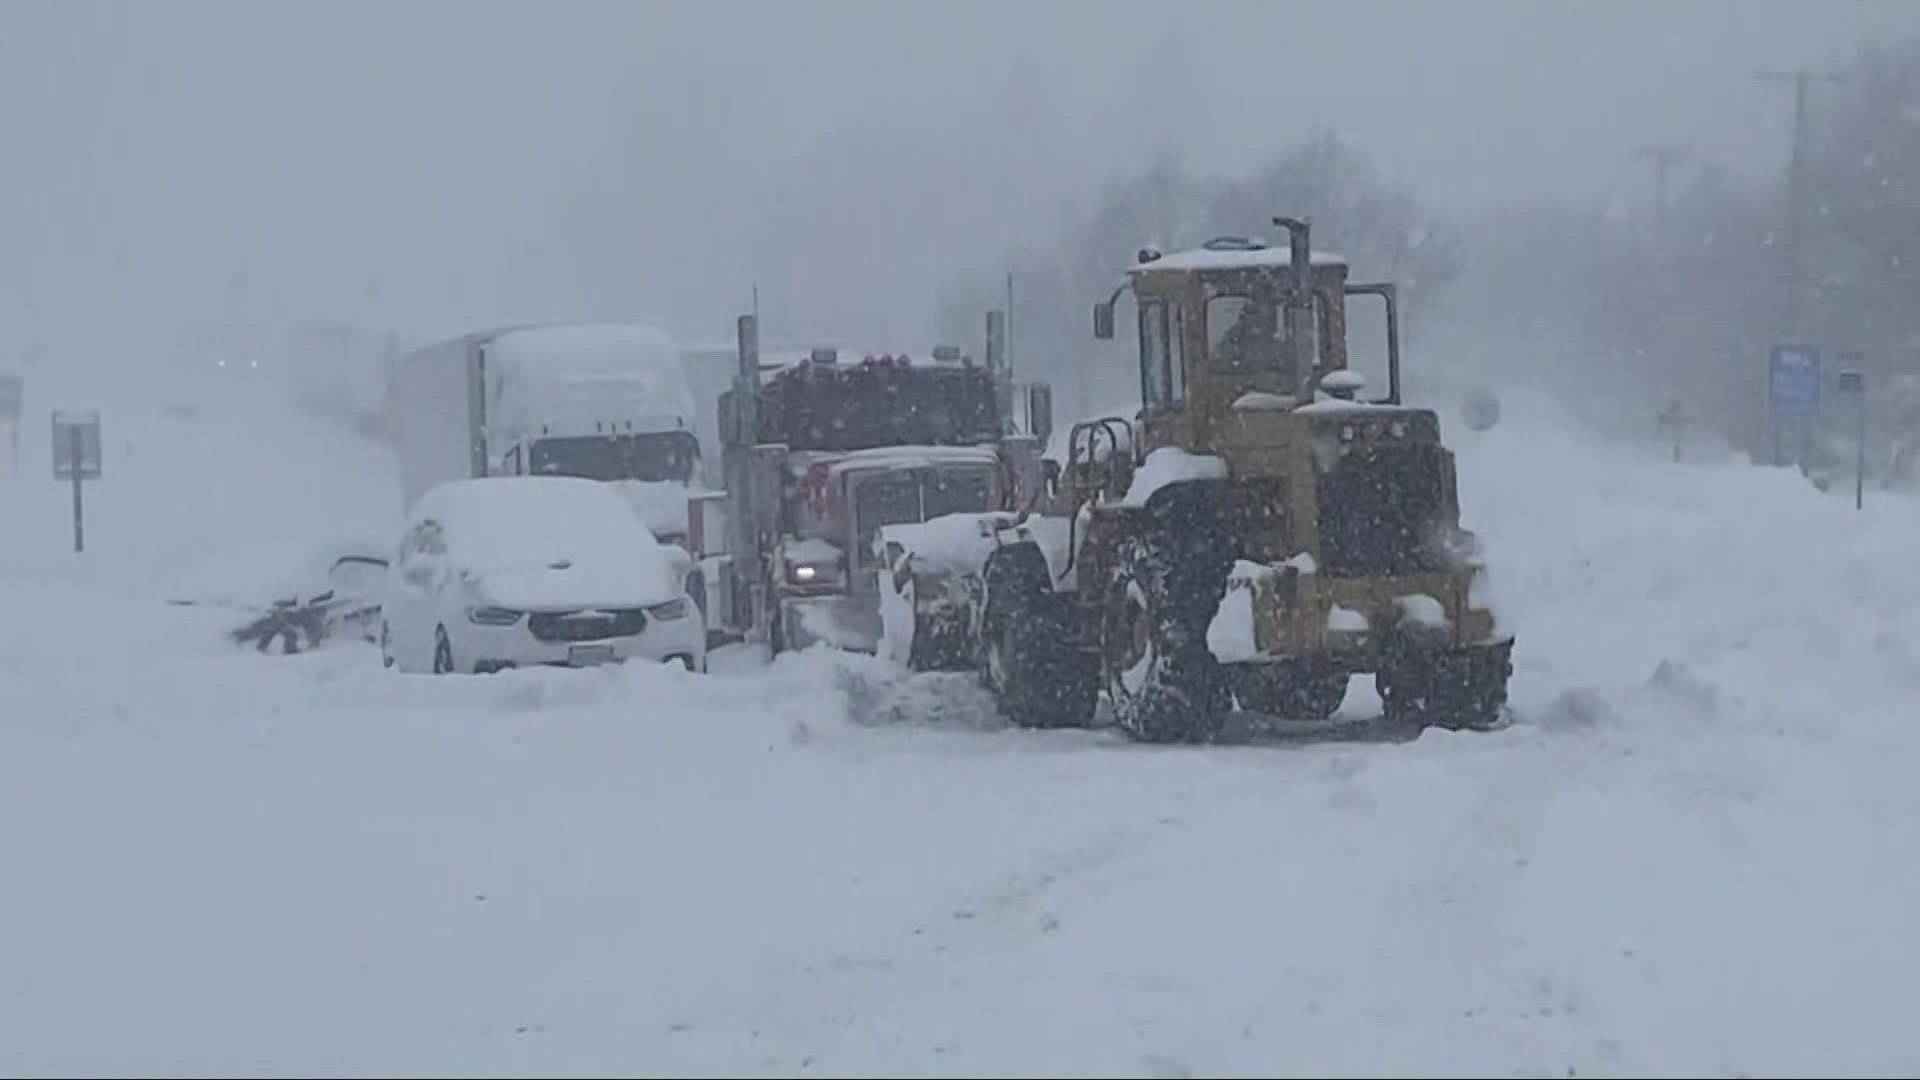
pixel 1381 227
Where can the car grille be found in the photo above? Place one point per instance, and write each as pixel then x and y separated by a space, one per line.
pixel 587 625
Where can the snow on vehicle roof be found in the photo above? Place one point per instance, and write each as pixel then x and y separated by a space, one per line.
pixel 532 522
pixel 1169 465
pixel 1234 258
pixel 1333 405
pixel 590 351
pixel 586 372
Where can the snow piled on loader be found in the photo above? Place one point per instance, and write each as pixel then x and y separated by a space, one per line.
pixel 1686 856
pixel 1171 465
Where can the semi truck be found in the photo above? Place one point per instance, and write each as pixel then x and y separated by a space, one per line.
pixel 711 368
pixel 823 454
pixel 606 401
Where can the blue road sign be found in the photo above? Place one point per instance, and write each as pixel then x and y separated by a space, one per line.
pixel 1795 380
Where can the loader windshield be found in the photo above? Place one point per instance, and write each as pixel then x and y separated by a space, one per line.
pixel 1248 332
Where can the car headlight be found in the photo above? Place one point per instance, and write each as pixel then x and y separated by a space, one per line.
pixel 672 609
pixel 492 616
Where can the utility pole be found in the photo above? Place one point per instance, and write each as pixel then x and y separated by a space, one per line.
pixel 1794 310
pixel 1665 157
pixel 1656 329
pixel 1794 315
pixel 1009 342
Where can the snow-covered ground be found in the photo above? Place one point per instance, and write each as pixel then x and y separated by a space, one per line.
pixel 1687 856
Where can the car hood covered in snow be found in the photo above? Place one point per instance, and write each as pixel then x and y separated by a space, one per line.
pixel 566 586
pixel 555 543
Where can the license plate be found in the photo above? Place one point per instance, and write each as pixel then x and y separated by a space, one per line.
pixel 587 655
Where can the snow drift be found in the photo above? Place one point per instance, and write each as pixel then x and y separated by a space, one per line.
pixel 1684 857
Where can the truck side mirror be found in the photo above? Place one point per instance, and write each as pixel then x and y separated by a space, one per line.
pixel 1103 321
pixel 729 420
pixel 1040 411
pixel 707 524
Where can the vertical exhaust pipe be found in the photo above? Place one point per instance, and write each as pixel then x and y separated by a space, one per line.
pixel 1302 329
pixel 997 366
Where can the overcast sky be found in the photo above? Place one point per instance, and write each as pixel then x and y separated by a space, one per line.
pixel 200 171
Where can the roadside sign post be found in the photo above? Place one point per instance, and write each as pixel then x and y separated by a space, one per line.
pixel 1675 419
pixel 13 396
pixel 76 458
pixel 1793 388
pixel 1854 383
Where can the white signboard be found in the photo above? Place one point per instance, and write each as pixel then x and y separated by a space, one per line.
pixel 76 445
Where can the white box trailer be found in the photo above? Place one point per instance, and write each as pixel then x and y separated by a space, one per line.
pixel 436 413
pixel 605 401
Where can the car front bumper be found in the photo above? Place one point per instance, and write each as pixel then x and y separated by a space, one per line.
pixel 493 648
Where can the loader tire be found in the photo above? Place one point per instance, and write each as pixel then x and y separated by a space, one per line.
pixel 1040 673
pixel 1290 690
pixel 1036 659
pixel 1179 565
pixel 939 643
pixel 1454 689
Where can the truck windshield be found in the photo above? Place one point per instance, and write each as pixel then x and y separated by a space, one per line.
pixel 863 406
pixel 665 455
pixel 910 496
pixel 954 491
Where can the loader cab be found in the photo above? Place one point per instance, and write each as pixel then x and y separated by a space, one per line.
pixel 1215 334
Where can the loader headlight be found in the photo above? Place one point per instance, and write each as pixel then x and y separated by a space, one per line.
pixel 669 611
pixel 492 616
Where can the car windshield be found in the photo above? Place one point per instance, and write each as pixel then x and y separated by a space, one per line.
pixel 654 456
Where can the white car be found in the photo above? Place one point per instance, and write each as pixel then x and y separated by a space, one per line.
pixel 509 571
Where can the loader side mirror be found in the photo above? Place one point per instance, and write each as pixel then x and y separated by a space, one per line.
pixel 1103 320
